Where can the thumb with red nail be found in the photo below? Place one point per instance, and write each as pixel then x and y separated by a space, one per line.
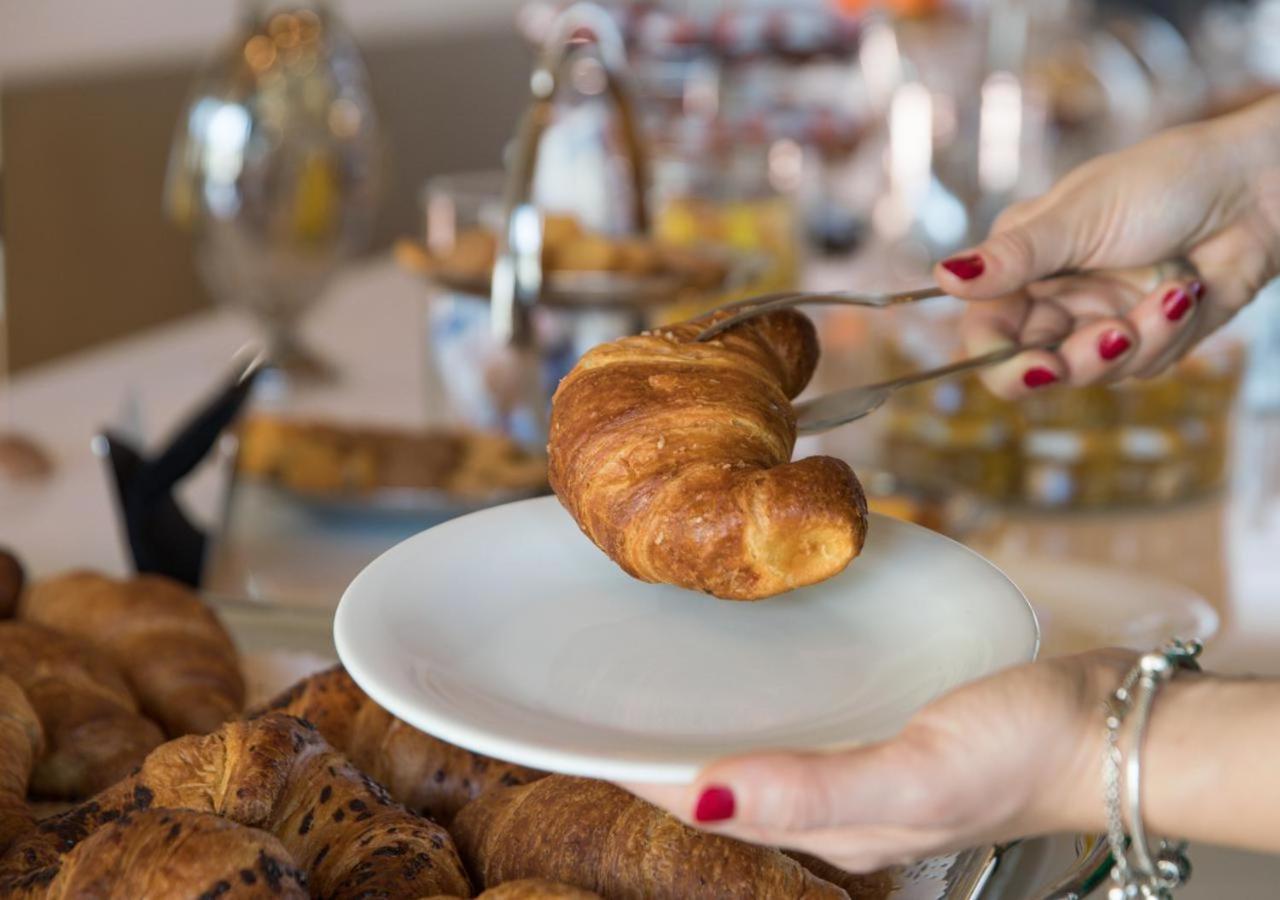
pixel 1016 754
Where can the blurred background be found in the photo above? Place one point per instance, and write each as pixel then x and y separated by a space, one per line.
pixel 91 94
pixel 419 215
pixel 283 282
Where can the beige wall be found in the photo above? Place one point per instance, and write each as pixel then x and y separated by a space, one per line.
pixel 88 254
pixel 47 37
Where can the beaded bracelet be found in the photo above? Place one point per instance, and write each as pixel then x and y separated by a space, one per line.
pixel 1136 873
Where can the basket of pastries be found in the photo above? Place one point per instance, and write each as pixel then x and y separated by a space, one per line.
pixel 329 463
pixel 131 767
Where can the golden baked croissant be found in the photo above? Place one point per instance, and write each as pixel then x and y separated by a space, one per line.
pixel 275 773
pixel 424 773
pixel 92 727
pixel 597 836
pixel 532 889
pixel 21 742
pixel 859 886
pixel 330 700
pixel 167 853
pixel 178 659
pixel 673 457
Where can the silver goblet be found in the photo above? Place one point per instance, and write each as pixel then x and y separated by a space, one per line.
pixel 275 167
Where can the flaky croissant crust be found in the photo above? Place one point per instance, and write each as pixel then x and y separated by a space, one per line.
pixel 277 774
pixel 599 837
pixel 422 772
pixel 21 743
pixel 178 659
pixel 673 457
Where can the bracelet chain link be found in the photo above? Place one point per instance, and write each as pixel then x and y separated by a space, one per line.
pixel 1136 873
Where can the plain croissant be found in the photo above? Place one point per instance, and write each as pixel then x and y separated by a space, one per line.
pixel 274 773
pixel 21 742
pixel 424 773
pixel 533 889
pixel 597 836
pixel 93 730
pixel 177 657
pixel 168 853
pixel 674 458
pixel 859 886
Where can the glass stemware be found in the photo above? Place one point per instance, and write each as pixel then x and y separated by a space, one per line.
pixel 275 167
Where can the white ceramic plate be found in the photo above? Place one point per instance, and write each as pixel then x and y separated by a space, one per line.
pixel 1081 606
pixel 509 633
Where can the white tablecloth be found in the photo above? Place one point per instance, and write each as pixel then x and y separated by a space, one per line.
pixel 369 325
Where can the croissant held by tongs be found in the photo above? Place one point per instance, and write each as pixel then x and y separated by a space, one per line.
pixel 672 448
pixel 674 458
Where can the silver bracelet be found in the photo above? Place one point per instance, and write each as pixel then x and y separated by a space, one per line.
pixel 1136 873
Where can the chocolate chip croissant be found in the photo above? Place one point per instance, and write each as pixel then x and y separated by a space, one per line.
pixel 168 853
pixel 674 458
pixel 422 772
pixel 275 774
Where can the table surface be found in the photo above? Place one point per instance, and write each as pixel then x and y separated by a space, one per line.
pixel 371 326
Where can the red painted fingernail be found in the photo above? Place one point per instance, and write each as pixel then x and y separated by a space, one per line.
pixel 1038 377
pixel 714 805
pixel 1197 290
pixel 966 268
pixel 1112 344
pixel 1175 304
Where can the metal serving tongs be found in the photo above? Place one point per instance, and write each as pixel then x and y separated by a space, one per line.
pixel 750 308
pixel 840 407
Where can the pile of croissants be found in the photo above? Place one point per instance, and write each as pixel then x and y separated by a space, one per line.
pixel 321 793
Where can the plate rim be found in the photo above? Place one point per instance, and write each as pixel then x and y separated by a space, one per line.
pixel 539 756
pixel 1208 618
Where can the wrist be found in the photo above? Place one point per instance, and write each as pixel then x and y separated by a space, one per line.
pixel 1073 798
pixel 1207 760
pixel 1194 742
pixel 1249 139
pixel 1070 796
